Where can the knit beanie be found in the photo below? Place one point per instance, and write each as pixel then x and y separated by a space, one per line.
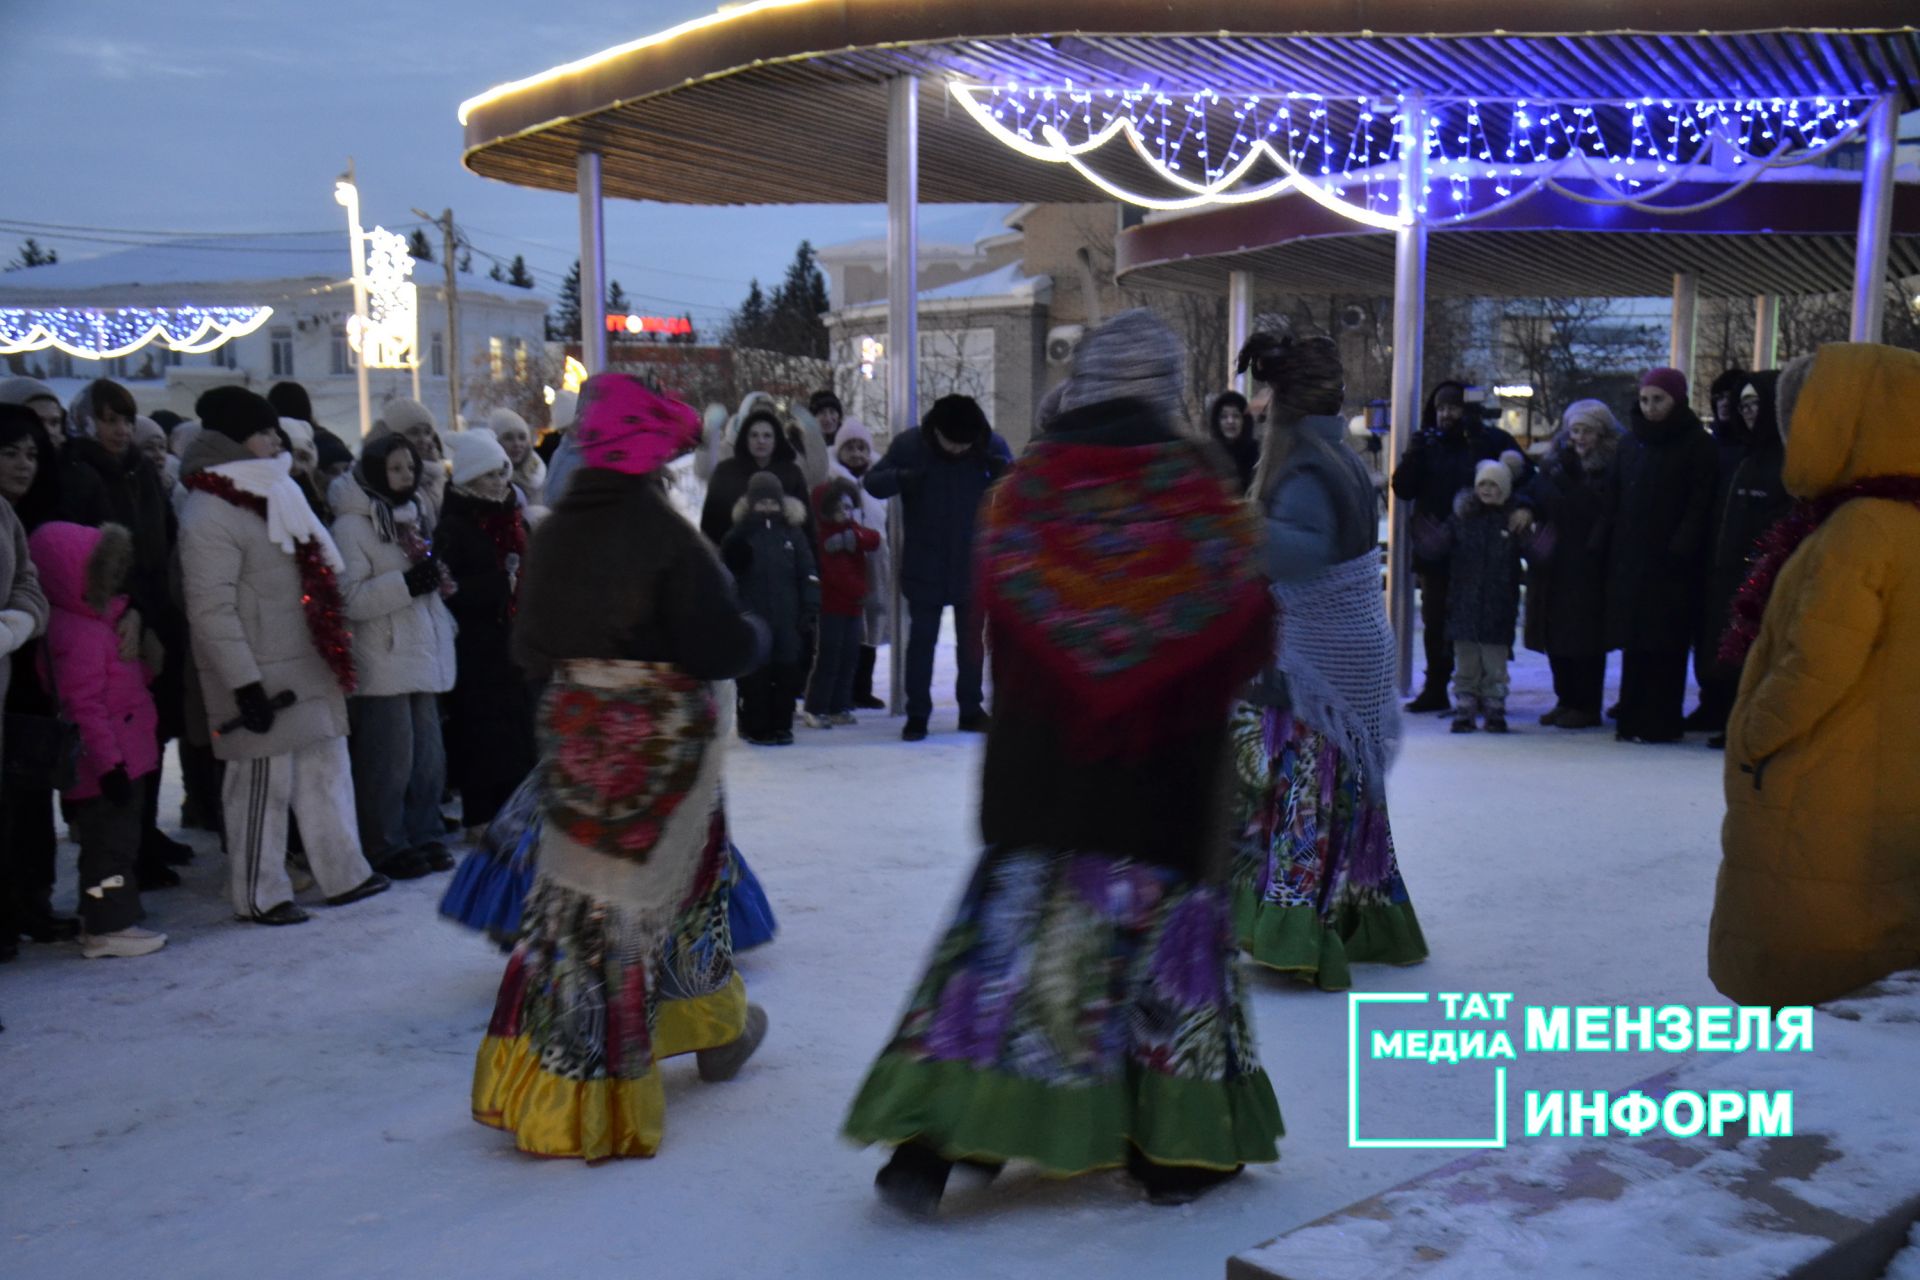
pixel 1498 472
pixel 24 391
pixel 181 438
pixel 1133 356
pixel 291 400
pixel 403 413
pixel 299 433
pixel 236 413
pixel 763 486
pixel 852 429
pixel 475 454
pixel 1593 413
pixel 146 431
pixel 503 420
pixel 1671 381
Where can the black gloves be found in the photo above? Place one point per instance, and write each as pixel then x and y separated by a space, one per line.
pixel 256 711
pixel 423 577
pixel 115 787
pixel 738 556
pixel 996 466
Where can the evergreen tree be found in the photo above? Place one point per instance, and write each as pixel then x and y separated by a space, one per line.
pixel 495 273
pixel 748 326
pixel 795 326
pixel 618 304
pixel 466 260
pixel 32 255
pixel 418 246
pixel 517 275
pixel 564 324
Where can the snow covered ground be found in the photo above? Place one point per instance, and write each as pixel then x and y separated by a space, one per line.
pixel 294 1101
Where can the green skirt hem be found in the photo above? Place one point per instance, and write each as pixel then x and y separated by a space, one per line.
pixel 967 1113
pixel 1295 940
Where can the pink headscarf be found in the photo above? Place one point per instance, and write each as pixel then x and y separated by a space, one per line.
pixel 625 427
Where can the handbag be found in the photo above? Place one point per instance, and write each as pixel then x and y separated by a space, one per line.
pixel 40 752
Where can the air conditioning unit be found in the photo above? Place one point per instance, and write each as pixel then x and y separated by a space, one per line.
pixel 1353 317
pixel 1062 340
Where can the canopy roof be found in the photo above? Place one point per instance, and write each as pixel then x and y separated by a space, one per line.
pixel 1788 237
pixel 784 101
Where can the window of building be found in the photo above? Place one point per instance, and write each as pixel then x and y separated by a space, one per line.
pixel 344 359
pixel 282 345
pixel 59 364
pixel 519 360
pixel 437 356
pixel 497 358
pixel 224 357
pixel 116 368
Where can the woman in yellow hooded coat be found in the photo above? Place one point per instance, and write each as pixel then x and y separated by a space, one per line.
pixel 1819 888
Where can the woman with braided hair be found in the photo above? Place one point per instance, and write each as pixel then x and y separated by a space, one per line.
pixel 1316 884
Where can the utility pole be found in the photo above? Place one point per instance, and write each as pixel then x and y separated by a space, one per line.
pixel 452 298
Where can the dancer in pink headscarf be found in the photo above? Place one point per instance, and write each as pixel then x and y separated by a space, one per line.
pixel 625 956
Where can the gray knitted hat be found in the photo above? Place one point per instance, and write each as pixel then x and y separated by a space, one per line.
pixel 1133 356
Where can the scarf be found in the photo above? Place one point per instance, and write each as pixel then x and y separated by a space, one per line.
pixel 1122 589
pixel 318 559
pixel 501 522
pixel 289 516
pixel 1336 650
pixel 630 762
pixel 1777 545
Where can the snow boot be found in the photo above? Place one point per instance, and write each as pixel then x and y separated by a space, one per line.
pixel 1173 1184
pixel 1577 719
pixel 1463 714
pixel 863 681
pixel 916 730
pixel 1431 699
pixel 1553 716
pixel 914 1180
pixel 131 941
pixel 721 1064
pixel 975 722
pixel 1496 715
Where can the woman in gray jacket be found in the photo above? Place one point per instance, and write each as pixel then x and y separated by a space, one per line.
pixel 1317 885
pixel 275 662
pixel 403 651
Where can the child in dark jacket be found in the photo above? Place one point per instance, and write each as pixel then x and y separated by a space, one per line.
pixel 768 554
pixel 84 574
pixel 845 545
pixel 1483 601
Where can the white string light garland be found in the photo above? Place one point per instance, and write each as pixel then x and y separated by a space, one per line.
pixel 1344 153
pixel 105 333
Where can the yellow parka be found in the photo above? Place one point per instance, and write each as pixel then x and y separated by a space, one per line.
pixel 1819 888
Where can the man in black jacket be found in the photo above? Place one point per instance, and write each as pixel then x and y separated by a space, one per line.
pixel 1440 462
pixel 941 471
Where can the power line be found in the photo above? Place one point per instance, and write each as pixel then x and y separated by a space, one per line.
pixel 617 262
pixel 133 231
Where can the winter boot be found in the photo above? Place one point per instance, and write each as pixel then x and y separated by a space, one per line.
pixel 1463 713
pixel 914 1180
pixel 723 1063
pixel 1172 1184
pixel 863 681
pixel 1553 716
pixel 128 942
pixel 1576 718
pixel 1431 699
pixel 1496 715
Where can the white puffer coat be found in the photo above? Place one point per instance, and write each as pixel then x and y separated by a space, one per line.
pixel 402 643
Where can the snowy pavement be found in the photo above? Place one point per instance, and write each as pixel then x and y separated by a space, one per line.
pixel 294 1101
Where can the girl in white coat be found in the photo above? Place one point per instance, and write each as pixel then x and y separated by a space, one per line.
pixel 403 651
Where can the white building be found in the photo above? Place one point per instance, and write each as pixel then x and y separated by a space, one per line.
pixel 306 281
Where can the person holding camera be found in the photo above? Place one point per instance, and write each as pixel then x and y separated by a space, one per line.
pixel 1452 442
pixel 274 668
pixel 395 590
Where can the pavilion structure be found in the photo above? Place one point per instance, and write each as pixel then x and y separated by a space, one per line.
pixel 1405 119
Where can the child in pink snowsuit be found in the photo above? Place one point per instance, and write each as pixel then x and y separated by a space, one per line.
pixel 83 572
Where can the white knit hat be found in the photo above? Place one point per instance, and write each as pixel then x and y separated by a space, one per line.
pixel 1498 472
pixel 475 454
pixel 300 432
pixel 503 420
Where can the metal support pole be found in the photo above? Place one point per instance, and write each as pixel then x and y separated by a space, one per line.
pixel 593 264
pixel 1239 323
pixel 1876 222
pixel 1686 308
pixel 1766 331
pixel 347 192
pixel 903 327
pixel 1409 338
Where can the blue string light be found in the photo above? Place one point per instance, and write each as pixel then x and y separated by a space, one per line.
pixel 104 333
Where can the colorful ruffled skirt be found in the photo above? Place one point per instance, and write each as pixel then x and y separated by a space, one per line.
pixel 570 1062
pixel 1316 886
pixel 1077 1005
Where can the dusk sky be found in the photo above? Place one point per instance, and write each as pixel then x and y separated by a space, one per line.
pixel 236 115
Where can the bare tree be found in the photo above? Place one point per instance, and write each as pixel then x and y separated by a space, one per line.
pixel 1573 348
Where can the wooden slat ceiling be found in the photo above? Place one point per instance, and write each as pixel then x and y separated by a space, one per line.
pixel 1547 264
pixel 810 127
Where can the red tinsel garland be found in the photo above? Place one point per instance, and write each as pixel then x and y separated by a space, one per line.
pixel 507 531
pixel 319 589
pixel 1779 543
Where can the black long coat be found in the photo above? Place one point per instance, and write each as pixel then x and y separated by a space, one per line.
pixel 728 484
pixel 490 734
pixel 1567 583
pixel 1660 541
